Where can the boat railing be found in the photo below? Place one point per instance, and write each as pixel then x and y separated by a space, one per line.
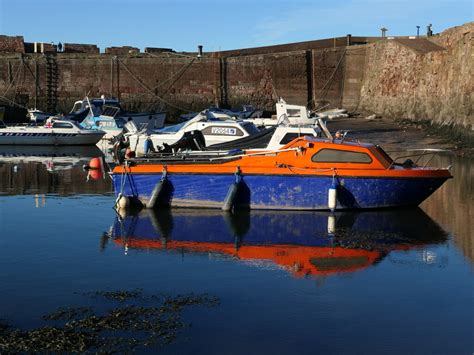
pixel 207 156
pixel 418 157
pixel 188 155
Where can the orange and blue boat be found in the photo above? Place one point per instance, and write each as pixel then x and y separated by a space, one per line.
pixel 306 174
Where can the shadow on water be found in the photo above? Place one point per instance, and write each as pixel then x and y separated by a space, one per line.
pixel 303 243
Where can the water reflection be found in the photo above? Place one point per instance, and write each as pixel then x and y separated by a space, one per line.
pixel 452 205
pixel 304 244
pixel 50 169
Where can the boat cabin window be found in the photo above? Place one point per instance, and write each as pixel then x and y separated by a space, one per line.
pixel 110 111
pixel 108 124
pixel 62 125
pixel 340 156
pixel 291 112
pixel 222 131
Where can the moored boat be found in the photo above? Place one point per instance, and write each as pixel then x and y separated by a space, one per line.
pixel 59 132
pixel 214 131
pixel 110 108
pixel 285 113
pixel 306 174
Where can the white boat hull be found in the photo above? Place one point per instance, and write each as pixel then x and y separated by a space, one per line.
pixel 42 136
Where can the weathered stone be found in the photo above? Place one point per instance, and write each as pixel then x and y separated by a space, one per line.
pixel 437 85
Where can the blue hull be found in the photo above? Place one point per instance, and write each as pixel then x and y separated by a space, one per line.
pixel 281 192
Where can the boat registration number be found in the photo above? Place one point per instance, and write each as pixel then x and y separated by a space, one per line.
pixel 224 130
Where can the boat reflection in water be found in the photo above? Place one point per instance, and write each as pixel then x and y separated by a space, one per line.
pixel 51 169
pixel 303 243
pixel 54 158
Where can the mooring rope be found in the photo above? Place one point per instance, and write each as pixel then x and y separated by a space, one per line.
pixel 177 74
pixel 325 91
pixel 13 102
pixel 16 81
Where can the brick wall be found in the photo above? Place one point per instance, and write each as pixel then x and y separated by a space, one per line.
pixel 80 48
pixel 398 78
pixel 9 44
pixel 261 79
pixel 121 50
pixel 157 50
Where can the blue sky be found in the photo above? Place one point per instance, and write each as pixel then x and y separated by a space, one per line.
pixel 221 25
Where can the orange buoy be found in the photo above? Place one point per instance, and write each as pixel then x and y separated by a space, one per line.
pixel 95 163
pixel 95 174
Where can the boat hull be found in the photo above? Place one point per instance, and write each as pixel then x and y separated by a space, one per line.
pixel 289 192
pixel 47 138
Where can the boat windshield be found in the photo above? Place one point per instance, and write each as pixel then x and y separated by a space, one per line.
pixel 78 107
pixel 110 111
pixel 383 155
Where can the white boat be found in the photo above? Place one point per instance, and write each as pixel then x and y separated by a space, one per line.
pixel 287 114
pixel 109 121
pixel 270 139
pixel 333 113
pixel 37 116
pixel 60 132
pixel 214 131
pixel 110 108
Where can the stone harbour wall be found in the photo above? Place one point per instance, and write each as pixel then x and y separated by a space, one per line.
pixel 426 78
pixel 423 82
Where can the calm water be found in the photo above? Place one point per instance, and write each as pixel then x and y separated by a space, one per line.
pixel 398 281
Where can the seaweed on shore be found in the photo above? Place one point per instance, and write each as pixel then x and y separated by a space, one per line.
pixel 115 329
